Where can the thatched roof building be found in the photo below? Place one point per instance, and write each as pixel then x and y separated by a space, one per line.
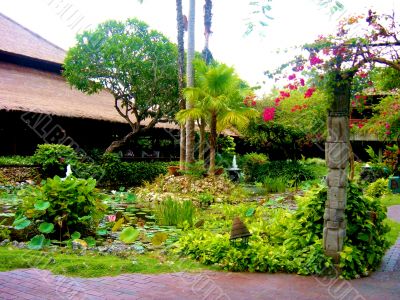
pixel 31 81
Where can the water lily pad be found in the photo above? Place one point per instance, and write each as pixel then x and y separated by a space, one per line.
pixel 46 227
pixel 129 235
pixel 42 205
pixel 159 238
pixel 75 235
pixel 101 232
pixel 21 223
pixel 38 242
pixel 91 241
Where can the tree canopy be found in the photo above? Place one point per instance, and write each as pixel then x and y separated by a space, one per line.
pixel 137 65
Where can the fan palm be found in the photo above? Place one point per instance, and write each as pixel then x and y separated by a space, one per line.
pixel 218 98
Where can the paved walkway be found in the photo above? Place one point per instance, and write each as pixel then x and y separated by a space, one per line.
pixel 39 284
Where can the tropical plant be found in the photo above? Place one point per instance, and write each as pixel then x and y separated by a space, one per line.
pixel 54 158
pixel 137 65
pixel 217 97
pixel 60 207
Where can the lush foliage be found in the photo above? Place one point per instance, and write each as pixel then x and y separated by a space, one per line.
pixel 58 208
pixel 53 158
pixel 113 172
pixel 293 172
pixel 377 188
pixel 137 65
pixel 292 241
pixel 250 161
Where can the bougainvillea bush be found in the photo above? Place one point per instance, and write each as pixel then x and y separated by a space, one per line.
pixel 288 241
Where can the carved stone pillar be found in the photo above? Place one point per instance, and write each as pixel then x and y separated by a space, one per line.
pixel 337 155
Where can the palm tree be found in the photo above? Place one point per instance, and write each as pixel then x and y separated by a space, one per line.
pixel 218 98
pixel 206 53
pixel 181 78
pixel 190 82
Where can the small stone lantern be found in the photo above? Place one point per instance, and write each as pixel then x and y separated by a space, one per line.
pixel 239 233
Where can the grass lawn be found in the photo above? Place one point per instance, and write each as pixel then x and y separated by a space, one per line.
pixel 389 200
pixel 93 264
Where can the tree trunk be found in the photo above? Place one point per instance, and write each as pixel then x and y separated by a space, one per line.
pixel 206 53
pixel 181 81
pixel 337 157
pixel 190 83
pixel 115 145
pixel 202 142
pixel 213 142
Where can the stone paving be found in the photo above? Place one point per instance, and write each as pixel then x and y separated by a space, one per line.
pixel 41 284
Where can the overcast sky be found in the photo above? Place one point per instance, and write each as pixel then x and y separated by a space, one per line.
pixel 294 22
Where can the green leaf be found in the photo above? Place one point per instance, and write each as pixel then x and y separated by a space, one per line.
pixel 91 241
pixel 46 227
pixel 129 235
pixel 159 238
pixel 38 242
pixel 118 224
pixel 21 223
pixel 75 235
pixel 101 232
pixel 250 212
pixel 42 205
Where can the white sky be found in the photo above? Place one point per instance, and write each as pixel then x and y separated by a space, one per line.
pixel 295 22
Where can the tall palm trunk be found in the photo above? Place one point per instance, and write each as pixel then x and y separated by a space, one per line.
pixel 190 83
pixel 202 142
pixel 213 142
pixel 337 156
pixel 181 78
pixel 206 53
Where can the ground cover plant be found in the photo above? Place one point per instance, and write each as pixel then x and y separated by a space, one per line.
pixel 292 241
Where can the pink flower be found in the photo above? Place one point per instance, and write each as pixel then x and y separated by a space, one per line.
pixel 269 114
pixel 291 77
pixel 284 94
pixel 387 125
pixel 315 60
pixel 301 81
pixel 111 218
pixel 309 92
pixel 387 132
pixel 277 101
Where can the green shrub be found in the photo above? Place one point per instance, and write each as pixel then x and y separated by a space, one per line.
pixel 112 172
pixel 294 172
pixel 378 188
pixel 63 206
pixel 175 213
pixel 251 161
pixel 54 158
pixel 292 242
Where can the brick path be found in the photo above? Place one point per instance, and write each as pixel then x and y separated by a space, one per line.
pixel 40 284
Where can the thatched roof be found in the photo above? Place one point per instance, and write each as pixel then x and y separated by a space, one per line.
pixel 16 39
pixel 27 89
